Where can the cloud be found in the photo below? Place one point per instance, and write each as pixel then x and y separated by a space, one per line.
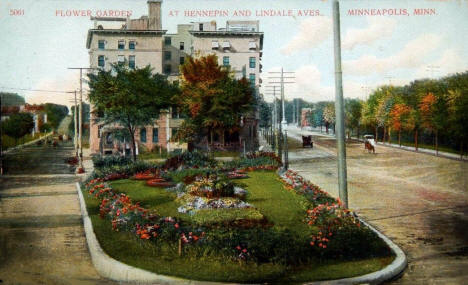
pixel 312 32
pixel 378 27
pixel 411 56
pixel 58 84
pixel 448 63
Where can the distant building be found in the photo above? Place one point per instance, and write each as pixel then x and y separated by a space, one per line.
pixel 305 113
pixel 140 42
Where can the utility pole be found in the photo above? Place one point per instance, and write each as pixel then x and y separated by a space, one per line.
pixel 75 125
pixel 281 82
pixel 339 108
pixel 80 114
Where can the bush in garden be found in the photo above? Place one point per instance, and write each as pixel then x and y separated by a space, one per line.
pixel 101 161
pixel 194 159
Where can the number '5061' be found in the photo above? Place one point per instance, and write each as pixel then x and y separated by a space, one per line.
pixel 16 12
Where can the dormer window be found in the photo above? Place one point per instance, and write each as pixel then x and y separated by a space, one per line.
pixel 252 45
pixel 200 27
pixel 214 45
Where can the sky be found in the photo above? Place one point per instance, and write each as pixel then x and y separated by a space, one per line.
pixel 40 42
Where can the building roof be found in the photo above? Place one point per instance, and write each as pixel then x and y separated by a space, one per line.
pixel 226 33
pixel 91 32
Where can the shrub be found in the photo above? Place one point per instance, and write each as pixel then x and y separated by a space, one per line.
pixel 194 159
pixel 101 161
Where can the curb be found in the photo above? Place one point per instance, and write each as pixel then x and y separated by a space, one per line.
pixel 115 270
pixel 388 273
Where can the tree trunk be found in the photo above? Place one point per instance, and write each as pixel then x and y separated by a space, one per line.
pixel 389 135
pixel 437 142
pixel 222 137
pixel 132 135
pixel 358 132
pixel 326 127
pixel 376 133
pixel 399 137
pixel 461 150
pixel 416 139
pixel 384 134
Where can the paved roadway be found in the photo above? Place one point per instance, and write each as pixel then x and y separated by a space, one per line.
pixel 42 239
pixel 420 201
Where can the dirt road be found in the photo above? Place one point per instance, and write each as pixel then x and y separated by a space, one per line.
pixel 419 201
pixel 42 239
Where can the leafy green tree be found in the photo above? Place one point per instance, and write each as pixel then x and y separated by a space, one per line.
pixel 131 98
pixel 18 125
pixel 353 108
pixel 265 113
pixel 55 114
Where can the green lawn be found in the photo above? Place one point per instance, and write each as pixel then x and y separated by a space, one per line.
pixel 281 208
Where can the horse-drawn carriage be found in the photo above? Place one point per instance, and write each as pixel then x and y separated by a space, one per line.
pixel 369 143
pixel 307 141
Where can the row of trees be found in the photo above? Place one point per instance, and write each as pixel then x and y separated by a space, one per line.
pixel 425 108
pixel 207 95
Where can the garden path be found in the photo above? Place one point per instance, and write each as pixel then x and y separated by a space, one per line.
pixel 419 201
pixel 42 239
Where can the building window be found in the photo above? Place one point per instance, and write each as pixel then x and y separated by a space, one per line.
pixel 252 62
pixel 131 45
pixel 167 55
pixel 155 135
pixel 200 26
pixel 182 60
pixel 121 58
pixel 226 60
pixel 252 79
pixel 167 69
pixel 101 61
pixel 167 41
pixel 131 61
pixel 181 46
pixel 121 44
pixel 101 44
pixel 143 135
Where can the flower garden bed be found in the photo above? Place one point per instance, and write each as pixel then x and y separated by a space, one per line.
pixel 287 230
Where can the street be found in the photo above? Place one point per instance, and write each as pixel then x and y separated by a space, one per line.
pixel 419 201
pixel 42 239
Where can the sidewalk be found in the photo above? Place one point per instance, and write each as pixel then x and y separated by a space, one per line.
pixel 407 148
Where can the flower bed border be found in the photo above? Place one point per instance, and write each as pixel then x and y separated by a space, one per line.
pixel 113 269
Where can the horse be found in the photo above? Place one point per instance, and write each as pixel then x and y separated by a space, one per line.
pixel 369 147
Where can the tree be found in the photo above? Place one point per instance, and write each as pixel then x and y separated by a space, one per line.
pixel 18 125
pixel 329 115
pixel 353 114
pixel 399 118
pixel 212 98
pixel 55 114
pixel 433 111
pixel 265 113
pixel 458 110
pixel 131 98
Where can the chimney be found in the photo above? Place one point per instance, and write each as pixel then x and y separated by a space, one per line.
pixel 154 14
